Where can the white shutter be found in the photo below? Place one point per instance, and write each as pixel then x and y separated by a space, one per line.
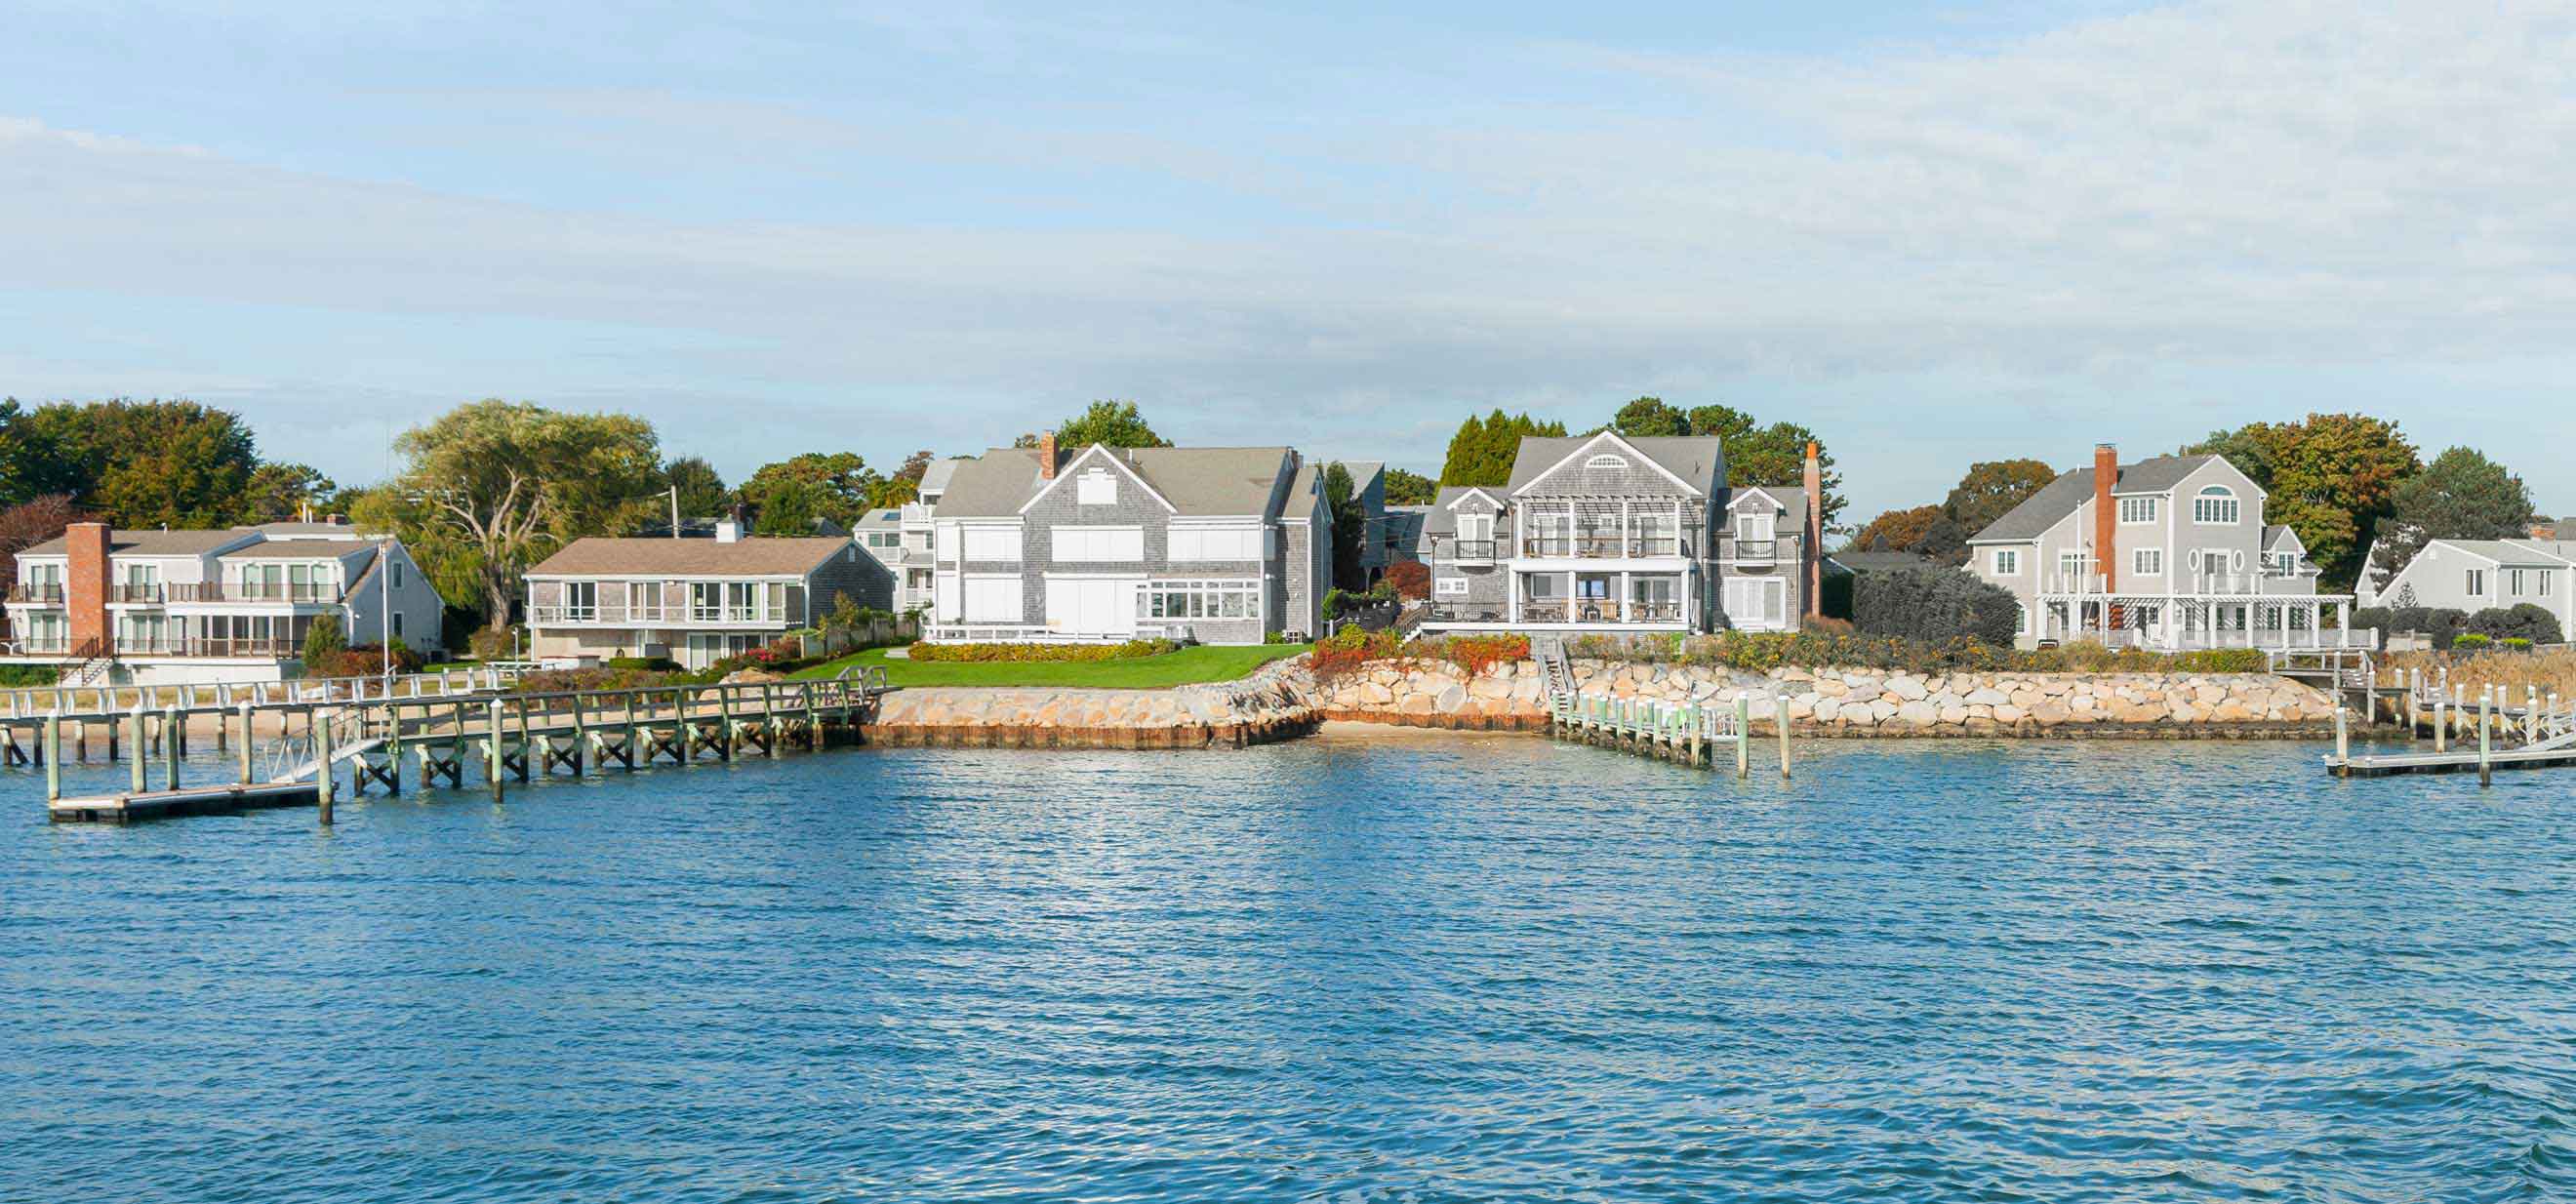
pixel 946 599
pixel 993 600
pixel 992 543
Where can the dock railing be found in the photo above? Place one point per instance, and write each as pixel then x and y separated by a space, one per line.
pixel 101 701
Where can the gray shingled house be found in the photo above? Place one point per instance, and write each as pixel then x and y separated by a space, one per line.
pixel 2167 553
pixel 695 601
pixel 1221 545
pixel 1606 534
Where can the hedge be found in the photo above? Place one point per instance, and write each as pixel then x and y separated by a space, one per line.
pixel 2444 626
pixel 1041 652
pixel 1761 652
pixel 1934 606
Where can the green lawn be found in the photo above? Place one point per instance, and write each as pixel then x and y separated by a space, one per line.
pixel 1187 666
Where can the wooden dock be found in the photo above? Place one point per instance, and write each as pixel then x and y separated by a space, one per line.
pixel 484 740
pixel 2488 731
pixel 1689 735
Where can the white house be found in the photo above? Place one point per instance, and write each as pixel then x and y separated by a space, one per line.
pixel 2484 574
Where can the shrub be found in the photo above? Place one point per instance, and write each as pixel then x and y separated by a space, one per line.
pixel 1411 579
pixel 1933 605
pixel 2469 641
pixel 2525 622
pixel 490 644
pixel 365 660
pixel 1041 652
pixel 18 677
pixel 653 664
pixel 2438 624
pixel 2515 643
pixel 323 643
pixel 1351 647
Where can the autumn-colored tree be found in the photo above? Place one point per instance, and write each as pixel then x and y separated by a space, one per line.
pixel 29 523
pixel 2330 477
pixel 1991 489
pixel 1411 579
pixel 1895 530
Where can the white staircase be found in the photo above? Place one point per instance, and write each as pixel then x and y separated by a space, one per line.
pixel 1549 651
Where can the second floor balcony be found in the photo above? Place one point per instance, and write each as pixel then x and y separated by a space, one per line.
pixel 299 593
pixel 610 614
pixel 33 594
pixel 1607 545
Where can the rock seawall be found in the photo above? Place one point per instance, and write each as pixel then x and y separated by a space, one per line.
pixel 1274 703
pixel 1860 702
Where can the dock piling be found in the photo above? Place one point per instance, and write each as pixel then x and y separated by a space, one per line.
pixel 2486 732
pixel 322 780
pixel 53 758
pixel 1780 723
pixel 141 758
pixel 173 745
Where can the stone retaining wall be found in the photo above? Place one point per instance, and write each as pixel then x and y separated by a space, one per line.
pixel 1860 702
pixel 1274 703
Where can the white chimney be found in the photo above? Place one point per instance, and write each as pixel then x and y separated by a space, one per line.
pixel 728 530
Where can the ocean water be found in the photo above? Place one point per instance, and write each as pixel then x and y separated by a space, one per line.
pixel 1362 967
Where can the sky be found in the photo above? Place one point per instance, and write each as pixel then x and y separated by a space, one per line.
pixel 1935 234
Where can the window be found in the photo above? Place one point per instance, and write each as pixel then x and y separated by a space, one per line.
pixel 1198 600
pixel 581 601
pixel 2147 562
pixel 885 539
pixel 398 568
pixel 992 543
pixel 2023 611
pixel 2072 564
pixel 1606 461
pixel 1214 543
pixel 1756 525
pixel 2477 583
pixel 1096 487
pixel 2545 575
pixel 2008 564
pixel 2215 506
pixel 2513 583
pixel 2135 510
pixel 1450 587
pixel 398 624
pixel 1078 545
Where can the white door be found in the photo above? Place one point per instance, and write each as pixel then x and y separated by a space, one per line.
pixel 1757 603
pixel 1091 606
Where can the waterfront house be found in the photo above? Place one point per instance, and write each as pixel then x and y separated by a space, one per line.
pixel 1603 533
pixel 694 601
pixel 899 538
pixel 150 607
pixel 2484 574
pixel 1222 545
pixel 2167 553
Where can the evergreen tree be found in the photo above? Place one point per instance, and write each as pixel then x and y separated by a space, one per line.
pixel 2460 495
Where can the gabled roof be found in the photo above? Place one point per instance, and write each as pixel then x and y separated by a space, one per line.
pixel 753 556
pixel 935 478
pixel 1697 461
pixel 2507 551
pixel 1207 481
pixel 1792 498
pixel 2276 535
pixel 2068 493
pixel 300 549
pixel 1442 516
pixel 1305 493
pixel 151 543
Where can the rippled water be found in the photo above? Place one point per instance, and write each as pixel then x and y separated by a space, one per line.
pixel 1361 967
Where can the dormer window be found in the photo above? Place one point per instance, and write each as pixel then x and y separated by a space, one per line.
pixel 2216 506
pixel 1756 524
pixel 1096 487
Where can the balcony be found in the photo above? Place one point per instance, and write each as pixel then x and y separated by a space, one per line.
pixel 36 595
pixel 2185 585
pixel 658 616
pixel 305 594
pixel 1472 551
pixel 1753 551
pixel 210 648
pixel 1605 546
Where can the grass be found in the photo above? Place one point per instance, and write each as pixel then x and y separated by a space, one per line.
pixel 1185 667
pixel 2515 672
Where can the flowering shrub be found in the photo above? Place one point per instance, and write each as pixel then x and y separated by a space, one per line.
pixel 1474 655
pixel 1761 652
pixel 1041 652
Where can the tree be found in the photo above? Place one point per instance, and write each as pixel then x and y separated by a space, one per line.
pixel 2460 495
pixel 1649 418
pixel 702 490
pixel 139 463
pixel 1769 455
pixel 1405 488
pixel 1411 579
pixel 280 492
pixel 1991 489
pixel 1895 530
pixel 29 523
pixel 323 643
pixel 2329 477
pixel 836 485
pixel 915 467
pixel 490 485
pixel 1350 528
pixel 1112 423
pixel 1482 451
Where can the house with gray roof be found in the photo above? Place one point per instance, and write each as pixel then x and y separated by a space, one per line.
pixel 695 601
pixel 153 607
pixel 899 538
pixel 2168 553
pixel 1220 545
pixel 1607 534
pixel 2484 574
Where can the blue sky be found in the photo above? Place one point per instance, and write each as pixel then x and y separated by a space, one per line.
pixel 1935 233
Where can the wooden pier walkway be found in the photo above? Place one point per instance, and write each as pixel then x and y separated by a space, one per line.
pixel 1692 735
pixel 2490 734
pixel 521 736
pixel 104 711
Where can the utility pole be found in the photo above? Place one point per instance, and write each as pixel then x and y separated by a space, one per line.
pixel 675 512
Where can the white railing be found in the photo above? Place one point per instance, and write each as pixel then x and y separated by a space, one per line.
pixel 1040 633
pixel 2270 639
pixel 2207 585
pixel 39 701
pixel 631 616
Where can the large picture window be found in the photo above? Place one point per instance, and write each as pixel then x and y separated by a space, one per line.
pixel 2216 506
pixel 1199 600
pixel 2137 510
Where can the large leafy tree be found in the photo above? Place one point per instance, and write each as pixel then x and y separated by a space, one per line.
pixel 1769 455
pixel 1895 530
pixel 1407 488
pixel 832 485
pixel 1113 423
pixel 490 487
pixel 702 490
pixel 1649 417
pixel 2460 495
pixel 1991 489
pixel 1482 451
pixel 281 491
pixel 140 463
pixel 2330 477
pixel 1350 527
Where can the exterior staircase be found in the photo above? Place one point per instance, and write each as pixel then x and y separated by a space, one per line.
pixel 89 672
pixel 1549 651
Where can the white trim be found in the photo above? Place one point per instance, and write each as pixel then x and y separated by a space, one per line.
pixel 1477 491
pixel 1066 474
pixel 1754 491
pixel 1613 436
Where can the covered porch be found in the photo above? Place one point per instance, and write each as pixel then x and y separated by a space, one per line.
pixel 2187 622
pixel 1621 597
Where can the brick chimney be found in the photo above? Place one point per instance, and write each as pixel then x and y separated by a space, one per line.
pixel 85 587
pixel 1812 546
pixel 2106 520
pixel 1046 456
